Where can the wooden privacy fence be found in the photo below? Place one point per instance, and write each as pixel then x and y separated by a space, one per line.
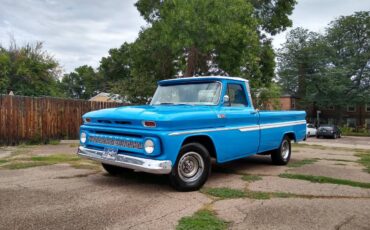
pixel 40 119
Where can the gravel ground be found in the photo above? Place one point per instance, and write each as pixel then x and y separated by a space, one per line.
pixel 62 197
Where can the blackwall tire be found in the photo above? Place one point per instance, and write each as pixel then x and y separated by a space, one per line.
pixel 192 168
pixel 281 156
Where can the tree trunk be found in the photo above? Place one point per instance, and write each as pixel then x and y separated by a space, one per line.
pixel 191 62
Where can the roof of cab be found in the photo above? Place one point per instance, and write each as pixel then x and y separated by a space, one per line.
pixel 199 79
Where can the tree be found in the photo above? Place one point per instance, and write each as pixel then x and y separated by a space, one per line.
pixel 197 37
pixel 28 70
pixel 328 69
pixel 116 67
pixel 226 36
pixel 349 39
pixel 82 83
pixel 300 60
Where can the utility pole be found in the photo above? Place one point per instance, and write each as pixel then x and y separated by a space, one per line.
pixel 318 117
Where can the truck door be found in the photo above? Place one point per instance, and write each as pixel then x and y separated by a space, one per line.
pixel 241 120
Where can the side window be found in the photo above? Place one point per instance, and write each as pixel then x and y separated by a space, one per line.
pixel 236 95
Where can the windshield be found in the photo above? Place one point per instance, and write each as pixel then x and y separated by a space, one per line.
pixel 192 94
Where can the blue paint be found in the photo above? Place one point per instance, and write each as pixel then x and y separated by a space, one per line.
pixel 236 132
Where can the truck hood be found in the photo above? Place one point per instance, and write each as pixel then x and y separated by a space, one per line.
pixel 167 117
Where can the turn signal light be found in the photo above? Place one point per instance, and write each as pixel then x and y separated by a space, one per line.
pixel 149 124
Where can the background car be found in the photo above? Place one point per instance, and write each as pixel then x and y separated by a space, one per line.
pixel 311 130
pixel 328 131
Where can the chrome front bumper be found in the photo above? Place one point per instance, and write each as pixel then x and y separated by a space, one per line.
pixel 124 161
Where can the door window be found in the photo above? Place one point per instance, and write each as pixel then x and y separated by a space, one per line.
pixel 236 95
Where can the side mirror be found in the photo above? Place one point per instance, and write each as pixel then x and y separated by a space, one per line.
pixel 149 100
pixel 226 99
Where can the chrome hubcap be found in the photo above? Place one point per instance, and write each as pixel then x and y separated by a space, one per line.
pixel 285 151
pixel 190 167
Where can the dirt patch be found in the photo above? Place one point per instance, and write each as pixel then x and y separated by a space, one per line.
pixel 295 213
pixel 328 169
pixel 37 197
pixel 276 184
pixel 219 180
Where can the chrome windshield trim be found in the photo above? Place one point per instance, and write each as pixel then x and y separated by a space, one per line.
pixel 211 104
pixel 125 161
pixel 241 128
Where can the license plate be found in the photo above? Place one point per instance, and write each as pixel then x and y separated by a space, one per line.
pixel 110 154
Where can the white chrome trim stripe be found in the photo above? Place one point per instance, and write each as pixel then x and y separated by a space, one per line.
pixel 242 128
pixel 282 124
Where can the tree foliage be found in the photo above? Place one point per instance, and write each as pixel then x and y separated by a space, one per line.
pixel 197 37
pixel 28 71
pixel 82 83
pixel 331 68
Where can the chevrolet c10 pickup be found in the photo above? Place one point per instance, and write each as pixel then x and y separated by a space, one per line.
pixel 188 122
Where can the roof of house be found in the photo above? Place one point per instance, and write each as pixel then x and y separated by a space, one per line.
pixel 107 96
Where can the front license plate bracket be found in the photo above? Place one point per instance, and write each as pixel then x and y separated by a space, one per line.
pixel 110 154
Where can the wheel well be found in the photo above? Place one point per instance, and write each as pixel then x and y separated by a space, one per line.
pixel 291 136
pixel 206 141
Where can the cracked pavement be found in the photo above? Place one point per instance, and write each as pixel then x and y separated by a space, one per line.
pixel 62 197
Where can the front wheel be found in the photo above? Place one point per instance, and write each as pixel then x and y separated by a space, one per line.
pixel 281 156
pixel 192 168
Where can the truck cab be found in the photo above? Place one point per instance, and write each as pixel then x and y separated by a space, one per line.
pixel 188 122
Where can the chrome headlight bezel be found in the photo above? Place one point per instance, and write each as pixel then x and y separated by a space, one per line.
pixel 149 146
pixel 83 137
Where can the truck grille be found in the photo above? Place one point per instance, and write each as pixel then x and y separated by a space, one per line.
pixel 116 142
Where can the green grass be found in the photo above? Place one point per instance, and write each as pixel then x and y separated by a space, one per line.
pixel 35 161
pixel 338 160
pixel 284 195
pixel 251 178
pixel 229 193
pixel 296 164
pixel 56 158
pixel 54 142
pixel 74 145
pixel 364 159
pixel 302 145
pixel 203 219
pixel 225 193
pixel 326 180
pixel 257 195
pixel 24 165
pixel 2 161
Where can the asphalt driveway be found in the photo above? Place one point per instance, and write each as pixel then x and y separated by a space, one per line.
pixel 63 192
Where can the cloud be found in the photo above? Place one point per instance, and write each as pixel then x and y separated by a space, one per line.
pixel 74 32
pixel 79 32
pixel 315 15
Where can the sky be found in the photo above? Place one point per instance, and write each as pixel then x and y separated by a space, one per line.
pixel 81 32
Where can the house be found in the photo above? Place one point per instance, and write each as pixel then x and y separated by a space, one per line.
pixel 355 116
pixel 107 97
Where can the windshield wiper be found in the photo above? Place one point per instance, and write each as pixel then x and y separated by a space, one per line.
pixel 170 103
pixel 166 103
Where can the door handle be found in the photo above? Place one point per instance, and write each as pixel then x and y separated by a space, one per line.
pixel 254 112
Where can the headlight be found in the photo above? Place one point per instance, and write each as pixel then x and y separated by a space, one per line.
pixel 149 146
pixel 83 137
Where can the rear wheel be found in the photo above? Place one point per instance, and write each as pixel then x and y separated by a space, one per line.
pixel 281 156
pixel 192 168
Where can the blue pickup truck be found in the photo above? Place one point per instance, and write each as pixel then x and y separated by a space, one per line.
pixel 188 122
